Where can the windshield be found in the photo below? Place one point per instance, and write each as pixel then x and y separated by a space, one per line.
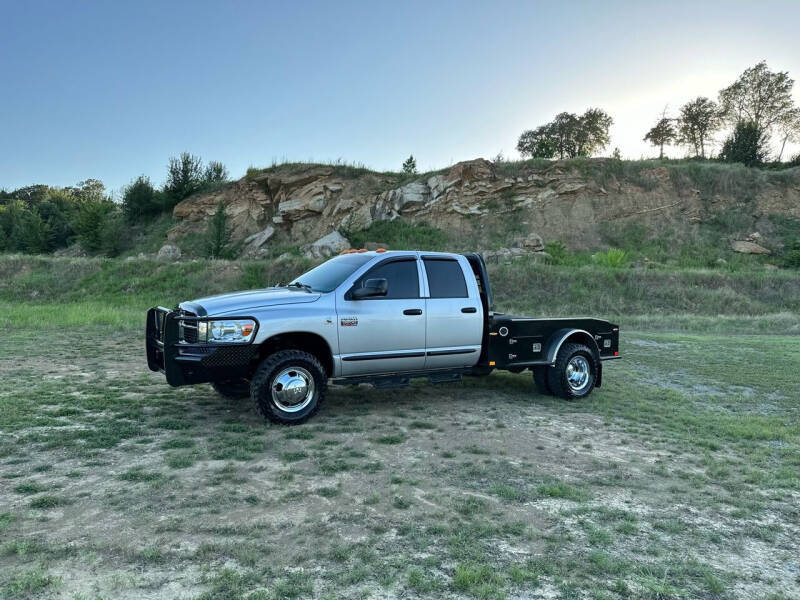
pixel 327 276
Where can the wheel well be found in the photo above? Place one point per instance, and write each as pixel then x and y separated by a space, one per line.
pixel 299 340
pixel 578 337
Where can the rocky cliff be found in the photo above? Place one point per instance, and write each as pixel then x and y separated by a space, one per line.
pixel 482 203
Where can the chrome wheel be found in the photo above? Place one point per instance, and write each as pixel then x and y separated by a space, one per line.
pixel 578 373
pixel 292 389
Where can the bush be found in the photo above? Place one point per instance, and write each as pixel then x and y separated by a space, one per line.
pixel 91 222
pixel 219 235
pixel 140 200
pixel 613 258
pixel 792 258
pixel 215 173
pixel 184 177
pixel 748 144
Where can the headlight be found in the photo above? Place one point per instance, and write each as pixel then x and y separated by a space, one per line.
pixel 226 331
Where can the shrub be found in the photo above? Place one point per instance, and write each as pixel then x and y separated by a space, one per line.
pixel 184 177
pixel 748 144
pixel 215 172
pixel 219 235
pixel 140 201
pixel 558 252
pixel 613 258
pixel 410 165
pixel 90 223
pixel 792 259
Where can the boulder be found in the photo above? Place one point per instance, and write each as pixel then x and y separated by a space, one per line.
pixel 472 170
pixel 331 244
pixel 532 243
pixel 168 252
pixel 748 248
pixel 255 241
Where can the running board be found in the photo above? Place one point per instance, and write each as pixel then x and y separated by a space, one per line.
pixel 385 382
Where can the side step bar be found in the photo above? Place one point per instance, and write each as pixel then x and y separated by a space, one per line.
pixel 401 380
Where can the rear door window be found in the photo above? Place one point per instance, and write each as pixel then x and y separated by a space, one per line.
pixel 445 278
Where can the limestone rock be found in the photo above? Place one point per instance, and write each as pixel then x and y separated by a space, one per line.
pixel 259 239
pixel 748 248
pixel 168 252
pixel 472 170
pixel 532 243
pixel 327 246
pixel 253 245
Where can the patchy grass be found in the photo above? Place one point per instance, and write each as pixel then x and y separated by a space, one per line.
pixel 678 478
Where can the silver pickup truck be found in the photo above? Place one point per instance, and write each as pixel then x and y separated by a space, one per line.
pixel 377 317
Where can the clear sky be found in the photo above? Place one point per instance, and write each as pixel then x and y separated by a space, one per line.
pixel 111 89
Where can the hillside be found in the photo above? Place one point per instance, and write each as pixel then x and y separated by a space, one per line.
pixel 587 204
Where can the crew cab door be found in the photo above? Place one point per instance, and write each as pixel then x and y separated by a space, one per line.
pixel 454 314
pixel 383 334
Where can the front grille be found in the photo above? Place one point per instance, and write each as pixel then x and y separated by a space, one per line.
pixel 188 329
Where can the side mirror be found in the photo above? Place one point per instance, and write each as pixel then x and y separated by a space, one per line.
pixel 372 288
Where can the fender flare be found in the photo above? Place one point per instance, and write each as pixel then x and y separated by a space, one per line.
pixel 560 337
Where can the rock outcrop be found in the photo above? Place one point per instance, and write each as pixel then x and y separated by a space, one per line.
pixel 295 204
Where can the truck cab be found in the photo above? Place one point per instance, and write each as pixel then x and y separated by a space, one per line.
pixel 379 317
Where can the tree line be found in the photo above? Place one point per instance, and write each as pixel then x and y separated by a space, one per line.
pixel 757 109
pixel 40 218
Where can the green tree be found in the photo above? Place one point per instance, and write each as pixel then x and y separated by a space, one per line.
pixel 218 237
pixel 215 172
pixel 90 223
pixel 58 210
pixel 537 143
pixel 592 135
pixel 698 121
pixel 184 177
pixel 410 165
pixel 568 135
pixel 758 96
pixel 661 134
pixel 140 201
pixel 747 144
pixel 27 232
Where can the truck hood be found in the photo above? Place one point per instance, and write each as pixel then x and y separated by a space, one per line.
pixel 241 302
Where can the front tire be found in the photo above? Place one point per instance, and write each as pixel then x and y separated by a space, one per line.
pixel 234 389
pixel 289 387
pixel 574 373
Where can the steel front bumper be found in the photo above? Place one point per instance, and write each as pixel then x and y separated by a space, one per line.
pixel 186 363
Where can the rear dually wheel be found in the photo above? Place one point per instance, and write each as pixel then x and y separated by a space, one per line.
pixel 574 373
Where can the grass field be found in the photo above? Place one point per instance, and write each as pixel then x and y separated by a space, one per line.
pixel 679 478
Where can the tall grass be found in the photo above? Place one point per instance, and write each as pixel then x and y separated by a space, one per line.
pixel 112 292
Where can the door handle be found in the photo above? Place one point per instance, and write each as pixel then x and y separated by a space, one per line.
pixel 412 311
pixel 469 309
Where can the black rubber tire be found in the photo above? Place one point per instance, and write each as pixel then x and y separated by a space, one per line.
pixel 234 389
pixel 270 367
pixel 540 379
pixel 557 374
